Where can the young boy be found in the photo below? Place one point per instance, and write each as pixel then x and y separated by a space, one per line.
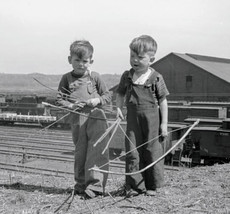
pixel 83 90
pixel 145 94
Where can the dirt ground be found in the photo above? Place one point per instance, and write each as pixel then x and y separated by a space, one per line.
pixel 187 190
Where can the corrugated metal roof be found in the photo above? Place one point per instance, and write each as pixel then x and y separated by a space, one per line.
pixel 219 67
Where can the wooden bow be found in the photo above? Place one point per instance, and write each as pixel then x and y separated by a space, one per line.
pixel 72 111
pixel 153 163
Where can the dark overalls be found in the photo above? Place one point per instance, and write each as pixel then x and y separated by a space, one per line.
pixel 143 125
pixel 86 130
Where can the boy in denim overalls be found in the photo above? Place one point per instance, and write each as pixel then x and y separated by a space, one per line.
pixel 145 94
pixel 84 90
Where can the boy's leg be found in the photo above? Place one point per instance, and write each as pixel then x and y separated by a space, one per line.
pixel 80 142
pixel 95 128
pixel 154 176
pixel 133 161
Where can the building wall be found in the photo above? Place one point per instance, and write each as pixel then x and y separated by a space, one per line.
pixel 203 85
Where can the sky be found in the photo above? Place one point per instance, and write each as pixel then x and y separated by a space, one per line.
pixel 35 35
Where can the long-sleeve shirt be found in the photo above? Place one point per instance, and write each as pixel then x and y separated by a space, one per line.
pixel 74 88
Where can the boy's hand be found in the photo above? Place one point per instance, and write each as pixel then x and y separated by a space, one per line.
pixel 93 102
pixel 119 114
pixel 77 105
pixel 164 130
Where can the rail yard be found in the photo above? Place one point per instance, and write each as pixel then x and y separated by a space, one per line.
pixel 37 150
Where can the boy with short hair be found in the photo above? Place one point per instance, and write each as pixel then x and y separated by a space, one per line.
pixel 84 90
pixel 147 114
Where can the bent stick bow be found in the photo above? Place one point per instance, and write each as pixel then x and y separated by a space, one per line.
pixel 72 111
pixel 153 163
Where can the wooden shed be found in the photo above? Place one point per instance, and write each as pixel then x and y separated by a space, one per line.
pixel 193 77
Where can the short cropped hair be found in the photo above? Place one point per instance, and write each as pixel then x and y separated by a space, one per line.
pixel 143 44
pixel 81 48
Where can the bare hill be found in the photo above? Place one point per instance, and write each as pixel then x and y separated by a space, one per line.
pixel 26 83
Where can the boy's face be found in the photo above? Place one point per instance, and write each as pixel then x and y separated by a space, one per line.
pixel 140 62
pixel 80 65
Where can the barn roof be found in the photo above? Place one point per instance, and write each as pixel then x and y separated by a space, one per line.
pixel 219 67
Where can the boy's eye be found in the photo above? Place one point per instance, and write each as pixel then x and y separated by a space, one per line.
pixel 83 61
pixel 141 57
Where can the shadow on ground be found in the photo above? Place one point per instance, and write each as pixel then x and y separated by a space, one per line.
pixel 33 188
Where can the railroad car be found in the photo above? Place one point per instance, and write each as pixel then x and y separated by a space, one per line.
pixel 178 113
pixel 211 143
pixel 11 118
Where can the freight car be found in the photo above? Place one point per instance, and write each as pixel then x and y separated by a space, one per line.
pixel 26 105
pixel 211 142
pixel 28 109
pixel 11 118
pixel 60 120
pixel 178 113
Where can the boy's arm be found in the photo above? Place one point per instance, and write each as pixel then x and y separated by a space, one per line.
pixel 121 92
pixel 62 95
pixel 162 92
pixel 164 118
pixel 105 95
pixel 120 104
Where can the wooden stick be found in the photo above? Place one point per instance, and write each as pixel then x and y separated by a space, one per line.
pixel 115 129
pixel 106 133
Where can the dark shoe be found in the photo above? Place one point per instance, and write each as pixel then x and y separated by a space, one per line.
pixel 131 193
pixel 78 189
pixel 150 193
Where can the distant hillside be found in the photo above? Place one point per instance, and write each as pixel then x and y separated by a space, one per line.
pixel 26 83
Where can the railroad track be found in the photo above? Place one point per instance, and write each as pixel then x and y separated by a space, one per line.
pixel 37 151
pixel 48 172
pixel 32 150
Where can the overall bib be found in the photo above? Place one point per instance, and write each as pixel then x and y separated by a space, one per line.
pixel 143 125
pixel 86 130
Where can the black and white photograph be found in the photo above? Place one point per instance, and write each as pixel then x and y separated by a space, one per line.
pixel 111 106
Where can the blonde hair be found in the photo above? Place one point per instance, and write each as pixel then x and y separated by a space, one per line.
pixel 143 44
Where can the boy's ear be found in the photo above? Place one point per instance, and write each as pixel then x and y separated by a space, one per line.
pixel 69 59
pixel 91 61
pixel 152 59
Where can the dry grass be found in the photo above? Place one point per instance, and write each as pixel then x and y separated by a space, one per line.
pixel 189 190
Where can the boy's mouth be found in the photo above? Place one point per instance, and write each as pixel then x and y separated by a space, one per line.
pixel 135 65
pixel 80 69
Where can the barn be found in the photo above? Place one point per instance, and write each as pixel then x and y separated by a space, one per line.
pixel 192 77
